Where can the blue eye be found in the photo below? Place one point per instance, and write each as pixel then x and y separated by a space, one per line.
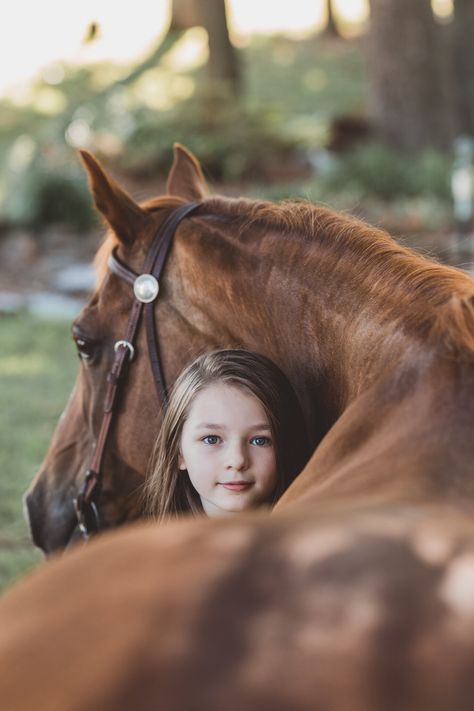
pixel 210 439
pixel 261 441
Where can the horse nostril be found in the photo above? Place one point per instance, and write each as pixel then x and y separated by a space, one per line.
pixel 52 521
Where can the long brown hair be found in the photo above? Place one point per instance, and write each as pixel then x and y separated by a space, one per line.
pixel 168 491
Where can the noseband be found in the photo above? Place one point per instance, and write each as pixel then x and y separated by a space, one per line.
pixel 145 289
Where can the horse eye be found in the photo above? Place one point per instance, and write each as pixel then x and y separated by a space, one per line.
pixel 85 349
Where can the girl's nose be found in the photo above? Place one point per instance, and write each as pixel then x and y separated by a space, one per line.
pixel 236 456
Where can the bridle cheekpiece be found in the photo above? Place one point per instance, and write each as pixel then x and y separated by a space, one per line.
pixel 145 289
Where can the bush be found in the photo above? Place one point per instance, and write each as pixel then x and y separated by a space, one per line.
pixel 374 170
pixel 49 192
pixel 232 142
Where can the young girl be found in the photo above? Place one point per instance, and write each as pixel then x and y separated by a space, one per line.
pixel 233 437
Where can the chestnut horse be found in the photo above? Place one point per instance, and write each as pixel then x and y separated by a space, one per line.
pixel 358 593
pixel 377 340
pixel 344 611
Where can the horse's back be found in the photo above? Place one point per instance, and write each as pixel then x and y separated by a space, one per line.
pixel 362 611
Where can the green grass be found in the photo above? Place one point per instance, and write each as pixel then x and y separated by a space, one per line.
pixel 37 370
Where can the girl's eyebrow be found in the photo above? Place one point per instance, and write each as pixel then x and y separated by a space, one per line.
pixel 208 425
pixel 211 425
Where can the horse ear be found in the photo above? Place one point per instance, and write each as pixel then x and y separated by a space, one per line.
pixel 124 216
pixel 186 178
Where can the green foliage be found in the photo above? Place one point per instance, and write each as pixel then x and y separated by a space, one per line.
pixel 46 192
pixel 373 170
pixel 232 142
pixel 307 82
pixel 291 92
pixel 34 393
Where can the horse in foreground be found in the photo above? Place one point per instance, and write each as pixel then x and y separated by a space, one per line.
pixel 335 610
pixel 377 340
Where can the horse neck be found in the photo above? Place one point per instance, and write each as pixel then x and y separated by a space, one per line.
pixel 408 438
pixel 339 308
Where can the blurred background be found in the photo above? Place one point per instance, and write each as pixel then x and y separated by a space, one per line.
pixel 364 106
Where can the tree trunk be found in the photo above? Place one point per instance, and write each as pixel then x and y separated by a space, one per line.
pixel 331 29
pixel 185 14
pixel 223 62
pixel 410 104
pixel 463 59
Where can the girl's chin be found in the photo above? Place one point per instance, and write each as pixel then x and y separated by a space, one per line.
pixel 234 505
pixel 228 502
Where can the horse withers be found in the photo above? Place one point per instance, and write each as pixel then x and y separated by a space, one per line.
pixel 377 341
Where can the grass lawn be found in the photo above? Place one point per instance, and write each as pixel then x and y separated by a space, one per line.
pixel 37 370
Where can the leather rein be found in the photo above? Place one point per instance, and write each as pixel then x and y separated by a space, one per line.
pixel 145 289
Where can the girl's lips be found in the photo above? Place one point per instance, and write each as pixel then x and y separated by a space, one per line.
pixel 236 485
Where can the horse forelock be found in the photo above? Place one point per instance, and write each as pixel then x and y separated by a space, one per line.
pixel 102 255
pixel 111 240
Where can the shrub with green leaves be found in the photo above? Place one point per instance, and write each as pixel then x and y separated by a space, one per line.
pixel 232 142
pixel 46 192
pixel 374 170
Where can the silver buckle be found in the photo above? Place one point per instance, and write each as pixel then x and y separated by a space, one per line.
pixel 125 344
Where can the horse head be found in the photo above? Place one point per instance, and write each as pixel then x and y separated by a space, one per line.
pixel 101 323
pixel 229 281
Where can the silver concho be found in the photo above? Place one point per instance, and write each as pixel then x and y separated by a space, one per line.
pixel 146 288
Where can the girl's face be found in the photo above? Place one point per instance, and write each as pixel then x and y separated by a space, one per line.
pixel 228 450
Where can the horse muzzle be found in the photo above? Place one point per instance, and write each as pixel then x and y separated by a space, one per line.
pixel 51 523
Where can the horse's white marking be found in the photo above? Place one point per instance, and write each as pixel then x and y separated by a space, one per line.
pixel 309 547
pixel 457 586
pixel 432 547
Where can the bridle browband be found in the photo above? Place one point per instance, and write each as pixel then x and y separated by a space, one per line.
pixel 145 289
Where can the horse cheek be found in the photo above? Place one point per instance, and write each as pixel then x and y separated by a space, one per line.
pixel 137 424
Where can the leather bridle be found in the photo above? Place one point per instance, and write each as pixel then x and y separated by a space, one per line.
pixel 145 289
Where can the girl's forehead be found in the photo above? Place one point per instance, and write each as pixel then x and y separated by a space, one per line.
pixel 226 401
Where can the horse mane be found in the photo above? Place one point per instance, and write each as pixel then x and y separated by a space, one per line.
pixel 439 298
